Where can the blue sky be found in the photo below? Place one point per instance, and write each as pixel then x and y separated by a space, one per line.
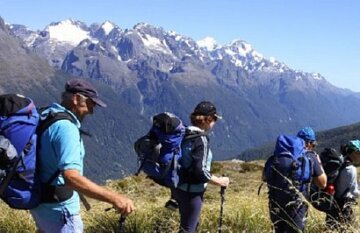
pixel 309 35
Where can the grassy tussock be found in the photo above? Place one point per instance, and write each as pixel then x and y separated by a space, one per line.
pixel 15 221
pixel 244 210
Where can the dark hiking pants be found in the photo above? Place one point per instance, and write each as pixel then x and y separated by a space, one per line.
pixel 288 220
pixel 190 207
pixel 341 216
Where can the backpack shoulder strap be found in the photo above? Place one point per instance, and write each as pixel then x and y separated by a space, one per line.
pixel 51 119
pixel 44 125
pixel 192 135
pixel 306 167
pixel 54 117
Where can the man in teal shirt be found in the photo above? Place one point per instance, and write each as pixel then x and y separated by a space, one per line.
pixel 61 156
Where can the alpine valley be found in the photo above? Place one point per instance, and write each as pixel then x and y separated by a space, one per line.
pixel 146 70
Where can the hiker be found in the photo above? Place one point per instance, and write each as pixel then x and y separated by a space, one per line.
pixel 195 173
pixel 346 188
pixel 309 137
pixel 288 173
pixel 61 155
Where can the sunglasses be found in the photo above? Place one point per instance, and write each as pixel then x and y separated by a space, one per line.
pixel 85 98
pixel 215 118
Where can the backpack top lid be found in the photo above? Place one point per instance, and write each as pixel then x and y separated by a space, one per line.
pixel 167 123
pixel 330 153
pixel 18 119
pixel 289 145
pixel 332 161
pixel 11 104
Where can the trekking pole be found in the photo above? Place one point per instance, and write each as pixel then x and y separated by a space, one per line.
pixel 121 222
pixel 121 225
pixel 222 195
pixel 85 202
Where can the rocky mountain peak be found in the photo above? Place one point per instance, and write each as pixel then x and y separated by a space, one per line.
pixel 68 31
pixel 2 24
pixel 208 43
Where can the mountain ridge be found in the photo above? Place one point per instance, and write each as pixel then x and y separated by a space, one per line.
pixel 331 138
pixel 147 70
pixel 243 48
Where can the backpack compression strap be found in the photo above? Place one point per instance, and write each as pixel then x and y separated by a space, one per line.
pixel 11 174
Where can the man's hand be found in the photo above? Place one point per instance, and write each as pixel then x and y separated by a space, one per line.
pixel 85 186
pixel 123 204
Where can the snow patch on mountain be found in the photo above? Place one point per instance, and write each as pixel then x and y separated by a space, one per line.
pixel 240 47
pixel 176 36
pixel 208 43
pixel 317 76
pixel 67 31
pixel 257 56
pixel 238 63
pixel 272 60
pixel 107 27
pixel 155 44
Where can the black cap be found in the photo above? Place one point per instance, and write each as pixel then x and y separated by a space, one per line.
pixel 84 88
pixel 206 108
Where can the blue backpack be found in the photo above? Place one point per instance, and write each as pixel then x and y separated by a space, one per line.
pixel 20 127
pixel 288 171
pixel 160 150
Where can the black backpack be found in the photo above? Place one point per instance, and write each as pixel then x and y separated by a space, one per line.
pixel 333 162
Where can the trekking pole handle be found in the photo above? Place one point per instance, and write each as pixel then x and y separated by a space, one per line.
pixel 222 189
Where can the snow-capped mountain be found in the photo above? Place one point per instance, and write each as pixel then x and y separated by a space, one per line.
pixel 22 71
pixel 55 41
pixel 155 70
pixel 144 40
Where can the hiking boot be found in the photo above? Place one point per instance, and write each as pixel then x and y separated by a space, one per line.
pixel 172 204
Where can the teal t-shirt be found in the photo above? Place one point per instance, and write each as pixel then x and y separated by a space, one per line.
pixel 61 148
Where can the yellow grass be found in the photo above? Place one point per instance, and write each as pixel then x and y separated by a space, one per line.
pixel 244 210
